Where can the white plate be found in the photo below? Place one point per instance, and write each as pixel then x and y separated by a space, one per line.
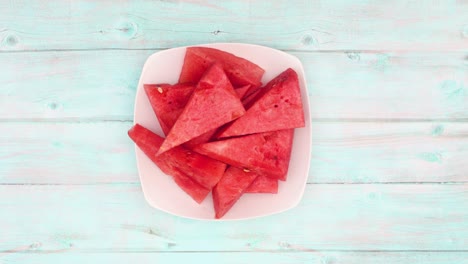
pixel 161 191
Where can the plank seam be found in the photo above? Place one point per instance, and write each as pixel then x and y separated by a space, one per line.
pixel 368 51
pixel 111 251
pixel 309 183
pixel 315 120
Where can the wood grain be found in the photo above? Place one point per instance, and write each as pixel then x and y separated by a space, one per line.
pixel 302 25
pixel 116 218
pixel 353 152
pixel 388 86
pixel 101 85
pixel 280 257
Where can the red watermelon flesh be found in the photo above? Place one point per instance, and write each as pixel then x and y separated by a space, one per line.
pixel 195 65
pixel 149 143
pixel 279 107
pixel 245 98
pixel 263 184
pixel 189 186
pixel 230 188
pixel 239 70
pixel 251 97
pixel 217 132
pixel 168 102
pixel 203 138
pixel 212 104
pixel 241 91
pixel 202 169
pixel 266 153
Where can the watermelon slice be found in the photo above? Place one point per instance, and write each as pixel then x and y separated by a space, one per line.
pixel 239 71
pixel 187 184
pixel 251 97
pixel 168 102
pixel 242 91
pixel 279 107
pixel 212 104
pixel 230 188
pixel 263 184
pixel 149 143
pixel 202 169
pixel 203 138
pixel 266 153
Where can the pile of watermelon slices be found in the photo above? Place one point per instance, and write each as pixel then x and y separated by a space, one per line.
pixel 225 133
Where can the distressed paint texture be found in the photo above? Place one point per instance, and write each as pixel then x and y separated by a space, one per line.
pixel 330 217
pixel 343 152
pixel 280 257
pixel 301 25
pixel 388 84
pixel 102 84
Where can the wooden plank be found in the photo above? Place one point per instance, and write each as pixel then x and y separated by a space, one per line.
pixel 244 257
pixel 110 218
pixel 387 85
pixel 369 152
pixel 70 84
pixel 389 152
pixel 73 153
pixel 101 85
pixel 304 25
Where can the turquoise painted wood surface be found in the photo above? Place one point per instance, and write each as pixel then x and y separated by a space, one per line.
pixel 388 83
pixel 337 217
pixel 357 85
pixel 298 25
pixel 248 257
pixel 344 152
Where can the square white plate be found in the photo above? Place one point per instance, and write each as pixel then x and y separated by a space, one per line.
pixel 160 190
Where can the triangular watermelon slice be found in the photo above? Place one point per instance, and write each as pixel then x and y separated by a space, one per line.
pixel 187 184
pixel 149 143
pixel 230 188
pixel 239 70
pixel 202 169
pixel 278 107
pixel 243 94
pixel 251 97
pixel 168 102
pixel 242 91
pixel 263 184
pixel 212 104
pixel 203 138
pixel 267 153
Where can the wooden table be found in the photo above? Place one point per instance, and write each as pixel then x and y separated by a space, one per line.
pixel 388 84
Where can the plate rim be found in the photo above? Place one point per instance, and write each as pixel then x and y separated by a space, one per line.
pixel 306 102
